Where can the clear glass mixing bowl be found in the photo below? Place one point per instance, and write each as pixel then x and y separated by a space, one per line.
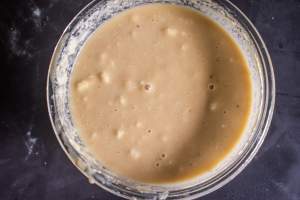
pixel 262 76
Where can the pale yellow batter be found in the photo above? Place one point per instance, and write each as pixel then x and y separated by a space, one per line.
pixel 160 94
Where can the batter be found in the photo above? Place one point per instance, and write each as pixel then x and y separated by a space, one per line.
pixel 160 94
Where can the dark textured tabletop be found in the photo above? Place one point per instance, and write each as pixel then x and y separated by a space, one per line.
pixel 32 164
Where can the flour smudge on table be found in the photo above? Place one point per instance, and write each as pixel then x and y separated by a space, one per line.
pixel 30 143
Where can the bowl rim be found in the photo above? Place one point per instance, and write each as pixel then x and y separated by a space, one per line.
pixel 266 118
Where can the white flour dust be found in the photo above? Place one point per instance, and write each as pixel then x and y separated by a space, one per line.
pixel 37 12
pixel 30 143
pixel 36 17
pixel 14 41
pixel 19 45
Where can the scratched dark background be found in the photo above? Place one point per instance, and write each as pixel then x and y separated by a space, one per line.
pixel 32 164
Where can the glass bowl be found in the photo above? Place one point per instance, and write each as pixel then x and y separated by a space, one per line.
pixel 263 91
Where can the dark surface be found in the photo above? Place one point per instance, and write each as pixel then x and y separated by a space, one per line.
pixel 32 164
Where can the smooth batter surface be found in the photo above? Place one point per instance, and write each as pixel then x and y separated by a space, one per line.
pixel 160 94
